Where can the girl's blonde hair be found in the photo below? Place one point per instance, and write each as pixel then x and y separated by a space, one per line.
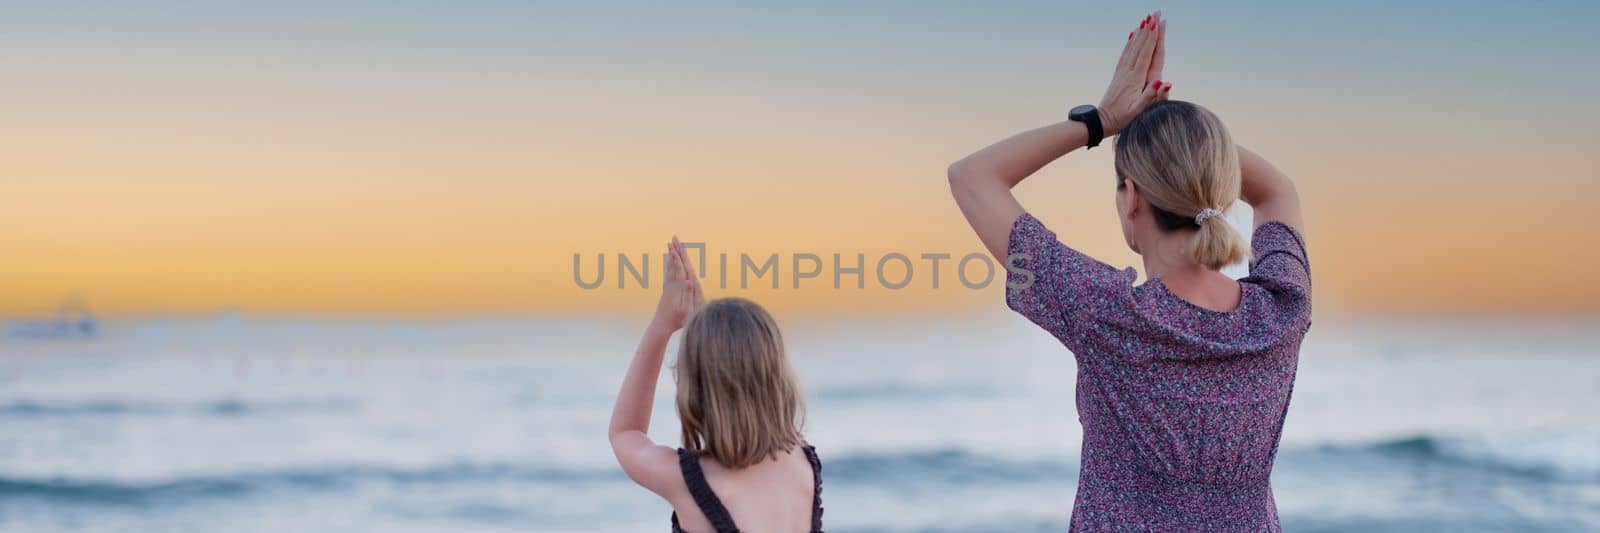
pixel 738 398
pixel 1184 162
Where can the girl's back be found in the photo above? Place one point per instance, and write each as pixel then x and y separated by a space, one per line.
pixel 780 494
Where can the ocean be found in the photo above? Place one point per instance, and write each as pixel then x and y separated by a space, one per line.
pixel 239 423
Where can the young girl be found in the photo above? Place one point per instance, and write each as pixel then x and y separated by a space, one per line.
pixel 743 461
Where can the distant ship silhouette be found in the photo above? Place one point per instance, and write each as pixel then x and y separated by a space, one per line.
pixel 72 320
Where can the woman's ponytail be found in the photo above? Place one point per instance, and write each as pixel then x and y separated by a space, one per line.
pixel 1216 244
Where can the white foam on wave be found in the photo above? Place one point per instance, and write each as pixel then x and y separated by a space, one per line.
pixel 1569 455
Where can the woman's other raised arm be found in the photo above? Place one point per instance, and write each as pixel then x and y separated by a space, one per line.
pixel 1268 191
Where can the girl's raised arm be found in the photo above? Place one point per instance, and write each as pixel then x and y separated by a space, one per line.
pixel 653 466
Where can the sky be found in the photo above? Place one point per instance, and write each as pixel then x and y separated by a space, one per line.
pixel 424 158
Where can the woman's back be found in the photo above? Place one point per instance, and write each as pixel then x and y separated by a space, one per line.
pixel 781 494
pixel 1182 407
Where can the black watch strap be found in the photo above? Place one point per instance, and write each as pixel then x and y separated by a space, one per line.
pixel 1090 117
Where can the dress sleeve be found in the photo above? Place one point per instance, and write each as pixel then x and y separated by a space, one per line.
pixel 1279 258
pixel 1279 265
pixel 1059 288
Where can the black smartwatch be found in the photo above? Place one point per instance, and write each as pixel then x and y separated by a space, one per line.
pixel 1090 117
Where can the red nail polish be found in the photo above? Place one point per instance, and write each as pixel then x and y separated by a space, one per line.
pixel 1130 36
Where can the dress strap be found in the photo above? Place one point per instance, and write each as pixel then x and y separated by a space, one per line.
pixel 816 498
pixel 704 498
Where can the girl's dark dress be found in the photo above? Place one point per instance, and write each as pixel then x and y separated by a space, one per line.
pixel 712 506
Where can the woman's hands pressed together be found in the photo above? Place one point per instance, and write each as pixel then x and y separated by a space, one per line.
pixel 1137 82
pixel 981 183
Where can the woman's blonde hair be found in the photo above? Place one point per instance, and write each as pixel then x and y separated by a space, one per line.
pixel 738 398
pixel 1184 162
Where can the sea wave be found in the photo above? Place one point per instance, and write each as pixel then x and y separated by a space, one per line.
pixel 1563 456
pixel 1560 457
pixel 917 468
pixel 951 465
pixel 326 478
pixel 220 407
pixel 902 392
pixel 1555 455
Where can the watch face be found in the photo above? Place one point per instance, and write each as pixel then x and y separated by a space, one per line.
pixel 1080 111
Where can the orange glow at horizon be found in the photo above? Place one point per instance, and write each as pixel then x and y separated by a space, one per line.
pixel 438 185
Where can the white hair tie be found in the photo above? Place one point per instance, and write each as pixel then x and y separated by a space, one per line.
pixel 1206 214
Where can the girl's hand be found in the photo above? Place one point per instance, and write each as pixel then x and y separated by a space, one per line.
pixel 680 294
pixel 1137 82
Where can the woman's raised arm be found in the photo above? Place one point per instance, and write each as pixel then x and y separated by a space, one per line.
pixel 982 182
pixel 1268 191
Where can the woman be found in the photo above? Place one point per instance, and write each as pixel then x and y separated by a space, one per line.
pixel 1184 380
pixel 743 461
